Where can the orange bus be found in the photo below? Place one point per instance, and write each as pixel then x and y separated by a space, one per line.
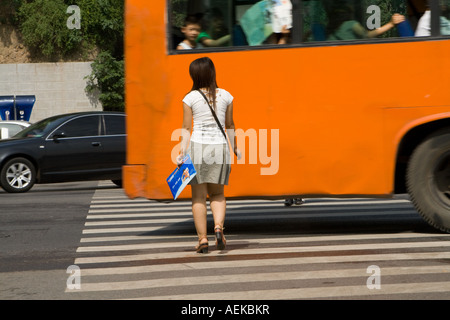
pixel 332 98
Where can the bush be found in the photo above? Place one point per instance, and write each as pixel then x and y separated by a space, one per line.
pixel 8 11
pixel 103 23
pixel 44 29
pixel 107 77
pixel 43 24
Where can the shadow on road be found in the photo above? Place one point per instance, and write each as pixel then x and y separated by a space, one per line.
pixel 317 216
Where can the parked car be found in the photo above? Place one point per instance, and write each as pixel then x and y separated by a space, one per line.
pixel 9 128
pixel 64 148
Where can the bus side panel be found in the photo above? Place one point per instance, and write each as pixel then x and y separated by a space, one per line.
pixel 146 93
pixel 311 121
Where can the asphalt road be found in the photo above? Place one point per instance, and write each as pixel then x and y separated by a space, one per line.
pixel 133 249
pixel 39 233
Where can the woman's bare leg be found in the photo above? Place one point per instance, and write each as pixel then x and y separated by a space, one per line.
pixel 199 194
pixel 217 203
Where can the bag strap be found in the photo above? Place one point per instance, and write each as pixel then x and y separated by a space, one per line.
pixel 215 116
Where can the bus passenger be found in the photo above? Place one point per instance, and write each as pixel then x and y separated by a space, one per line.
pixel 208 148
pixel 217 34
pixel 191 29
pixel 281 17
pixel 282 37
pixel 267 22
pixel 424 25
pixel 343 27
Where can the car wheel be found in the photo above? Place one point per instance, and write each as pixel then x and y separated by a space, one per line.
pixel 428 180
pixel 17 175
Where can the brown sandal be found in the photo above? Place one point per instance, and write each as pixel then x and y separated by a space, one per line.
pixel 221 242
pixel 202 247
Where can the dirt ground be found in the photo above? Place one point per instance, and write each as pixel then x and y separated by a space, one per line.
pixel 12 50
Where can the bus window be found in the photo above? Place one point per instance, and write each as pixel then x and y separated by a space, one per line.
pixel 265 22
pixel 197 24
pixel 430 18
pixel 215 24
pixel 342 20
pixel 445 18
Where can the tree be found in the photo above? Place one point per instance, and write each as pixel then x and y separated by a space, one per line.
pixel 103 20
pixel 44 30
pixel 43 24
pixel 8 11
pixel 103 24
pixel 108 77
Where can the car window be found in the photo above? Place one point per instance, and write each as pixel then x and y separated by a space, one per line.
pixel 115 124
pixel 9 129
pixel 38 129
pixel 81 127
pixel 13 130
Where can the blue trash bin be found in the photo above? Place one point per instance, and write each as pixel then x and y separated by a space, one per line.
pixel 24 107
pixel 7 107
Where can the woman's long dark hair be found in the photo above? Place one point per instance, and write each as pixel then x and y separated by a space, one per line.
pixel 203 75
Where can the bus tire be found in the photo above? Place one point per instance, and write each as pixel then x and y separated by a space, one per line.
pixel 17 175
pixel 428 179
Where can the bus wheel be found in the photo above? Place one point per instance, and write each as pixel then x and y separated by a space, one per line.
pixel 428 180
pixel 17 175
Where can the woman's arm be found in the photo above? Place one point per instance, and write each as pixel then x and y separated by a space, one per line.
pixel 229 125
pixel 208 42
pixel 395 19
pixel 185 129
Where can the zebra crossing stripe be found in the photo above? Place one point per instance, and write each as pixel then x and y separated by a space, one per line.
pixel 256 251
pixel 257 277
pixel 117 261
pixel 285 239
pixel 212 265
pixel 312 293
pixel 238 203
pixel 268 208
pixel 256 241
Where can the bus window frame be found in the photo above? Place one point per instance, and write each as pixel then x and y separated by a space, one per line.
pixel 297 6
pixel 435 23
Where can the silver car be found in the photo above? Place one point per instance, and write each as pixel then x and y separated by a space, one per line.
pixel 10 128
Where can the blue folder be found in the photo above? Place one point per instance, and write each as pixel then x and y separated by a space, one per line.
pixel 181 177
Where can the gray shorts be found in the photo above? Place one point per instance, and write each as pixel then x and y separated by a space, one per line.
pixel 211 161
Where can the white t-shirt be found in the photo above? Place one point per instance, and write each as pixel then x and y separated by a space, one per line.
pixel 205 128
pixel 281 15
pixel 424 25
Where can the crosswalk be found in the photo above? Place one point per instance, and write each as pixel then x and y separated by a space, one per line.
pixel 141 249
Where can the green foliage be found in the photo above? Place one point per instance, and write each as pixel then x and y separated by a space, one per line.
pixel 178 12
pixel 43 24
pixel 8 10
pixel 103 23
pixel 107 77
pixel 44 30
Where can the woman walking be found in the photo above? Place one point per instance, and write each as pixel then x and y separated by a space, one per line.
pixel 208 148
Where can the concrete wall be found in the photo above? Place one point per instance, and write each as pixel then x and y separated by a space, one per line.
pixel 58 87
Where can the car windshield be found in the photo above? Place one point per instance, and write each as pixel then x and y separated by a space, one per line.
pixel 36 130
